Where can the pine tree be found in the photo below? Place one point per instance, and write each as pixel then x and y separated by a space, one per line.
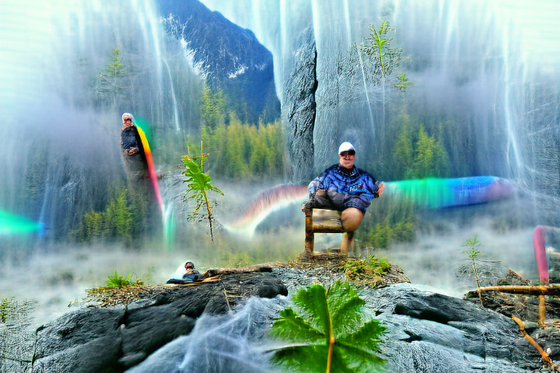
pixel 110 84
pixel 403 156
pixel 236 167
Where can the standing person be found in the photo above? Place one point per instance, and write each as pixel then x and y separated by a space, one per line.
pixel 345 188
pixel 131 144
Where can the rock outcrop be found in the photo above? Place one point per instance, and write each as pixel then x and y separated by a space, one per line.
pixel 96 339
pixel 299 109
pixel 153 327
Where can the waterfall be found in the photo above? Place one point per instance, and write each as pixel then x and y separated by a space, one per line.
pixel 62 120
pixel 484 69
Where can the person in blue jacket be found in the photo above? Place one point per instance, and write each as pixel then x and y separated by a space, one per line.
pixel 345 188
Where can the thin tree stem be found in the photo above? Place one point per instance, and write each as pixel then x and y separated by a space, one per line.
pixel 477 283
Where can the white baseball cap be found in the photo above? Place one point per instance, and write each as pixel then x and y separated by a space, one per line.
pixel 345 146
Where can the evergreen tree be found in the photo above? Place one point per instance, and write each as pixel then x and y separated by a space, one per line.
pixel 118 218
pixel 236 166
pixel 431 160
pixel 213 106
pixel 403 156
pixel 93 226
pixel 110 85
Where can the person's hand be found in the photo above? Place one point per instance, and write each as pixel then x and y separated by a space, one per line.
pixel 132 151
pixel 380 189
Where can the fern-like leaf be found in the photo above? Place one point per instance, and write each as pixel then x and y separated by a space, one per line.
pixel 294 328
pixel 312 302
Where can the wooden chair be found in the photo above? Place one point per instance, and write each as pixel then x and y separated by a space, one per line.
pixel 320 221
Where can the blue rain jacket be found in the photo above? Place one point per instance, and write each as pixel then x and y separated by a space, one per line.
pixel 344 188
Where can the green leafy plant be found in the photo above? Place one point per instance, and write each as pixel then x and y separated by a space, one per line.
pixel 198 186
pixel 474 254
pixel 370 266
pixel 378 46
pixel 5 309
pixel 110 84
pixel 402 82
pixel 327 332
pixel 119 281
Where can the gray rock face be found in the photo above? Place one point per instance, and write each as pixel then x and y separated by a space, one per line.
pixel 429 332
pixel 299 109
pixel 426 331
pixel 113 339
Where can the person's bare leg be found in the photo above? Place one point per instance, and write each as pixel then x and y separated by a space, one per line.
pixel 351 220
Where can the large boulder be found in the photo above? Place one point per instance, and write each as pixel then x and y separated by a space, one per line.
pixel 97 339
pixel 430 332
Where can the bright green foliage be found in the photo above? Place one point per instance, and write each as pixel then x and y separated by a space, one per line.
pixel 5 309
pixel 115 68
pixel 245 151
pixel 119 281
pixel 212 107
pixel 93 222
pixel 235 149
pixel 110 84
pixel 473 254
pixel 370 266
pixel 404 152
pixel 118 217
pixel 122 219
pixel 327 332
pixel 402 82
pixel 431 159
pixel 387 221
pixel 427 158
pixel 198 186
pixel 378 47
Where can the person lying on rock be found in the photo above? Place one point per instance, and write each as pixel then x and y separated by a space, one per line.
pixel 185 273
pixel 345 188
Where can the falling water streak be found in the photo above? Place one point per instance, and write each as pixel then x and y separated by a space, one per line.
pixel 512 143
pixel 347 19
pixel 367 94
pixel 168 225
pixel 315 10
pixel 150 23
pixel 450 28
pixel 283 46
pixel 349 32
pixel 44 203
pixel 175 106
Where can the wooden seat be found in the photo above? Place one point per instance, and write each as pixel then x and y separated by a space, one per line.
pixel 320 221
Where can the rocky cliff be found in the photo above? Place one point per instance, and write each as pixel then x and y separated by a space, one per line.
pixel 153 327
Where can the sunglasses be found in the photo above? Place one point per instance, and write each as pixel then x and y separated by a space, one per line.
pixel 349 152
pixel 128 120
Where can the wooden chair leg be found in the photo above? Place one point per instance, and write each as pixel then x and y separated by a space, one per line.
pixel 309 234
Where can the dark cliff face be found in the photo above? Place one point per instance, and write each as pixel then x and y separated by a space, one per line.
pixel 229 56
pixel 300 109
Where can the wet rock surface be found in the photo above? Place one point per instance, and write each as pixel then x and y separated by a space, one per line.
pixel 98 339
pixel 426 331
pixel 430 332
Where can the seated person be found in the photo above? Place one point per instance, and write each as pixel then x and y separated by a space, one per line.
pixel 345 188
pixel 185 274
